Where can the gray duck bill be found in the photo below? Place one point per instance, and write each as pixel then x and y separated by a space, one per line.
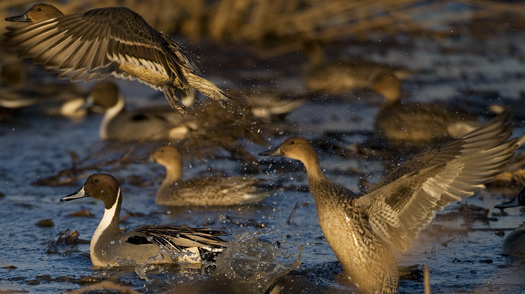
pixel 273 152
pixel 77 195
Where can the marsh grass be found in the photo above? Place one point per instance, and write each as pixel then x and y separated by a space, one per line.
pixel 290 22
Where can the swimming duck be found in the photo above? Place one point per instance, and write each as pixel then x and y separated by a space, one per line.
pixel 342 76
pixel 146 244
pixel 209 191
pixel 269 106
pixel 21 87
pixel 160 123
pixel 416 123
pixel 363 229
pixel 121 124
pixel 109 41
pixel 514 243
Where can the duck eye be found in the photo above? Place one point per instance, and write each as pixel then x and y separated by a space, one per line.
pixel 95 181
pixel 39 9
pixel 292 142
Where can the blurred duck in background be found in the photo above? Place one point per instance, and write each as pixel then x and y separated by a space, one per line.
pixel 514 243
pixel 120 124
pixel 21 87
pixel 342 76
pixel 210 120
pixel 416 124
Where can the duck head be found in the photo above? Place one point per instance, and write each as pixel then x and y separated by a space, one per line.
pixel 388 85
pixel 167 155
pixel 37 13
pixel 297 148
pixel 104 96
pixel 170 158
pixel 100 186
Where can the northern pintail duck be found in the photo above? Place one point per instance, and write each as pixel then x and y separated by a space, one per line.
pixel 146 244
pixel 269 106
pixel 342 76
pixel 208 191
pixel 210 123
pixel 109 41
pixel 49 102
pixel 20 87
pixel 362 229
pixel 514 243
pixel 416 123
pixel 121 124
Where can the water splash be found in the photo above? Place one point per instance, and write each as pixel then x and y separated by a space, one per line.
pixel 254 265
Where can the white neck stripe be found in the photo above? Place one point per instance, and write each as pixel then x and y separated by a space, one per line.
pixel 104 223
pixel 111 113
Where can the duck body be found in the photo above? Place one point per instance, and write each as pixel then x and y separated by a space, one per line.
pixel 360 251
pixel 341 77
pixel 514 243
pixel 161 123
pixel 121 124
pixel 109 41
pixel 416 124
pixel 146 244
pixel 146 124
pixel 209 191
pixel 419 124
pixel 364 229
pixel 21 87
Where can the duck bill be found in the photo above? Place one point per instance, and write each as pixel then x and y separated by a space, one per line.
pixel 87 105
pixel 18 18
pixel 77 195
pixel 513 203
pixel 151 159
pixel 273 152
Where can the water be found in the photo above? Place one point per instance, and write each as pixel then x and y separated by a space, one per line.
pixel 281 236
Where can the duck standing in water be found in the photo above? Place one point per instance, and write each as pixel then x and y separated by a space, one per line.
pixel 363 229
pixel 146 244
pixel 109 41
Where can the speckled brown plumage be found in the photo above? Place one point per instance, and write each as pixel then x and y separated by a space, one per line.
pixel 204 191
pixel 362 229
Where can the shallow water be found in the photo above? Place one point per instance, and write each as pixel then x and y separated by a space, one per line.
pixel 268 240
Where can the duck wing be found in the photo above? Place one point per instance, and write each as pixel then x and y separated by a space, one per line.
pixel 399 210
pixel 178 238
pixel 445 153
pixel 106 41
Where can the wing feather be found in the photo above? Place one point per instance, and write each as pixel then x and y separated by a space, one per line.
pixel 401 208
